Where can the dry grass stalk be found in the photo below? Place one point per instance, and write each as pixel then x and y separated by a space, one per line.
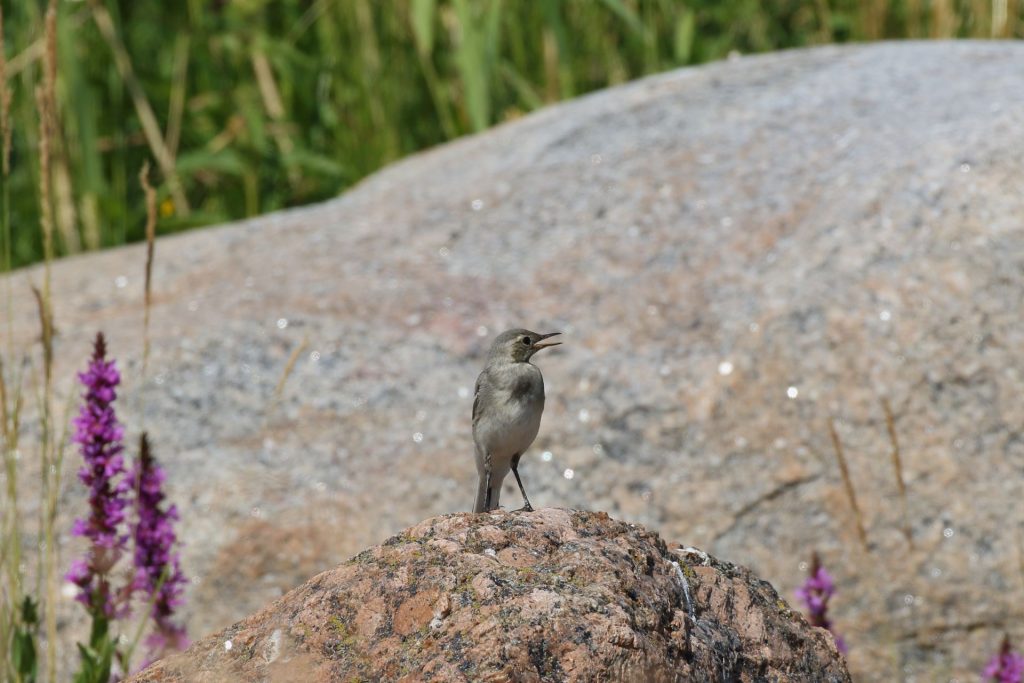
pixel 11 524
pixel 46 100
pixel 9 521
pixel 150 126
pixel 44 103
pixel 50 53
pixel 943 19
pixel 5 103
pixel 51 461
pixel 12 410
pixel 288 367
pixel 46 327
pixel 10 533
pixel 46 207
pixel 274 105
pixel 49 478
pixel 5 169
pixel 150 248
pixel 4 428
pixel 50 552
pixel 26 58
pixel 999 19
pixel 848 483
pixel 897 465
pixel 1020 552
pixel 268 86
pixel 64 200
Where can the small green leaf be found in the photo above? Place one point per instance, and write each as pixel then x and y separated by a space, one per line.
pixel 23 642
pixel 23 655
pixel 97 657
pixel 226 161
pixel 316 163
pixel 87 665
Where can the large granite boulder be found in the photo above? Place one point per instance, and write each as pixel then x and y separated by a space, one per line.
pixel 554 595
pixel 736 253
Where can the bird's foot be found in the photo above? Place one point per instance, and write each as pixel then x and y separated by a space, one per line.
pixel 525 508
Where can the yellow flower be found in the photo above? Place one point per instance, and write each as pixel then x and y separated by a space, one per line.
pixel 167 208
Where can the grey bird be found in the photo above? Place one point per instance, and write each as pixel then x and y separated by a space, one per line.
pixel 507 407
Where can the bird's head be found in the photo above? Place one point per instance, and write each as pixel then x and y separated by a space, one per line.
pixel 519 345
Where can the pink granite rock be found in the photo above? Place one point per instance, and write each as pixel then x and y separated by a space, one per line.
pixel 587 598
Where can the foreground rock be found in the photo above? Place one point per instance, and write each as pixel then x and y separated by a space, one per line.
pixel 555 595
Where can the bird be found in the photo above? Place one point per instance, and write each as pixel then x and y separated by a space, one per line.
pixel 507 404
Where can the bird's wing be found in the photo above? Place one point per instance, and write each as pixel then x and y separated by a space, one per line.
pixel 476 398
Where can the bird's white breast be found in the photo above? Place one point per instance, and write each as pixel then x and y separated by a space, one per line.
pixel 515 416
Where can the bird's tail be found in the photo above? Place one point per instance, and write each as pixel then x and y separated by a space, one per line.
pixel 481 494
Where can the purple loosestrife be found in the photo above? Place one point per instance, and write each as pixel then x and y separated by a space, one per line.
pixel 158 573
pixel 1006 666
pixel 99 435
pixel 815 593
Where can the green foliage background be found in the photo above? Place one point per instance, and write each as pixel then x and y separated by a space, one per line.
pixel 263 104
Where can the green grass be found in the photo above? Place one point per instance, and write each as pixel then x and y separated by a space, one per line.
pixel 246 106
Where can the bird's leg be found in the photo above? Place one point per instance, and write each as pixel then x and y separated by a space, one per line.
pixel 515 470
pixel 487 483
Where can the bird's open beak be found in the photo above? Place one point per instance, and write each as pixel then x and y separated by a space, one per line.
pixel 537 346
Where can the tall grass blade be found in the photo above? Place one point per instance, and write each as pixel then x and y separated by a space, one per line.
pixel 423 15
pixel 628 16
pixel 561 82
pixel 143 110
pixel 82 167
pixel 176 108
pixel 682 43
pixel 471 61
pixel 423 18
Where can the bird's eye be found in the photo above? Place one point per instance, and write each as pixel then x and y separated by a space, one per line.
pixel 527 341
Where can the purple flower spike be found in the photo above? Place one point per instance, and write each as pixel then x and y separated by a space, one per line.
pixel 98 435
pixel 1005 667
pixel 158 573
pixel 815 593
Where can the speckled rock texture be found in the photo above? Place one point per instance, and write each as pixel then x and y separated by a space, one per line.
pixel 554 595
pixel 839 225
